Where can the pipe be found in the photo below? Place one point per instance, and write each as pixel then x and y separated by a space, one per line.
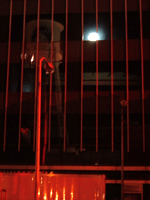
pixel 142 74
pixel 22 71
pixel 50 68
pixel 122 155
pixel 112 78
pixel 82 61
pixel 66 58
pixel 97 77
pixel 127 75
pixel 7 82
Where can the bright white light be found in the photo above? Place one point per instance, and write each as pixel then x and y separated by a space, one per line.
pixel 56 197
pixel 51 193
pixel 32 58
pixel 93 36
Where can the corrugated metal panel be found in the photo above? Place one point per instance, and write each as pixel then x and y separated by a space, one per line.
pixel 21 186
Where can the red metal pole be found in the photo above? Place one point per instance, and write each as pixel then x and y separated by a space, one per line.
pixel 22 70
pixel 36 72
pixel 66 63
pixel 112 78
pixel 127 74
pixel 82 61
pixel 45 125
pixel 38 129
pixel 50 91
pixel 122 155
pixel 123 104
pixel 37 123
pixel 97 77
pixel 37 164
pixel 7 78
pixel 142 74
pixel 50 108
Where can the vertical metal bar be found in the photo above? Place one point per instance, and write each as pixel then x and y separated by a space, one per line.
pixel 50 111
pixel 36 73
pixel 38 134
pixel 22 70
pixel 50 92
pixel 82 60
pixel 37 113
pixel 45 123
pixel 142 73
pixel 122 155
pixel 127 74
pixel 97 77
pixel 112 77
pixel 7 78
pixel 66 60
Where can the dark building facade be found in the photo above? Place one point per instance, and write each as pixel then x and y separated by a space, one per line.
pixel 100 50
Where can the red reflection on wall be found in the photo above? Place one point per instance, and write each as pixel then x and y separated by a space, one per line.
pixel 25 132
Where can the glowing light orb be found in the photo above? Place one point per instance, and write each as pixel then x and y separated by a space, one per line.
pixel 32 58
pixel 93 36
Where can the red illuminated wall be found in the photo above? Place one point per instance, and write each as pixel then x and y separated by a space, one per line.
pixel 21 186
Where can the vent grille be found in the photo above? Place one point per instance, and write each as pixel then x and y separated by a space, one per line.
pixel 133 188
